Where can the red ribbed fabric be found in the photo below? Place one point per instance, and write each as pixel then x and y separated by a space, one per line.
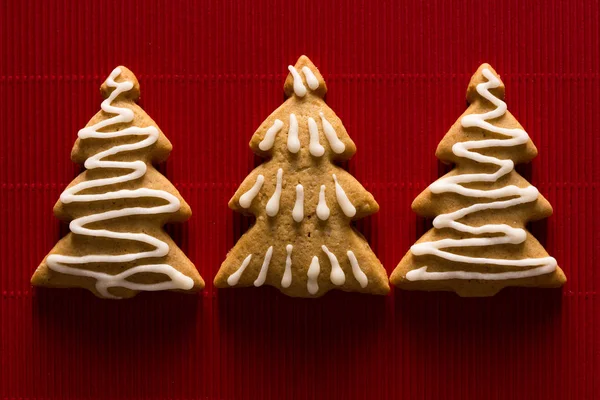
pixel 210 73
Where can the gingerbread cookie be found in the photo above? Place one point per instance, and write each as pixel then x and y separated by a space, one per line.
pixel 118 206
pixel 302 242
pixel 478 244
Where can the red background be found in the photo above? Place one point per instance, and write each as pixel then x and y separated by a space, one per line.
pixel 210 73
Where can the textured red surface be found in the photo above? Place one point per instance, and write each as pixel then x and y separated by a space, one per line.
pixel 210 72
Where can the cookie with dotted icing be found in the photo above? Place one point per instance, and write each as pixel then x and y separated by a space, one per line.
pixel 117 207
pixel 479 243
pixel 302 242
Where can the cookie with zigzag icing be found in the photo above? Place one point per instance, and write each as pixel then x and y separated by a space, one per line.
pixel 117 207
pixel 479 243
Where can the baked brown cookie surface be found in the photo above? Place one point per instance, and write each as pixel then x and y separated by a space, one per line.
pixel 302 241
pixel 118 206
pixel 478 244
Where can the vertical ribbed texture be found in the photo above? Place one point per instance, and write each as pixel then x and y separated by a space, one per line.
pixel 210 72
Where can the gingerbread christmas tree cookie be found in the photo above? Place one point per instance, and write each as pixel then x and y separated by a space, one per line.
pixel 302 241
pixel 117 207
pixel 479 243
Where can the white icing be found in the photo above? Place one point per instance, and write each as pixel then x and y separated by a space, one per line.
pixel 336 144
pixel 262 275
pixel 246 199
pixel 298 211
pixel 293 142
pixel 269 138
pixel 505 234
pixel 422 274
pixel 311 79
pixel 356 271
pixel 313 275
pixel 337 275
pixel 273 203
pixel 59 263
pixel 322 209
pixel 299 87
pixel 286 281
pixel 343 200
pixel 235 277
pixel 314 147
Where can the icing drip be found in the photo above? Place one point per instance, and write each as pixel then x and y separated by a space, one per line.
pixel 337 275
pixel 313 276
pixel 356 271
pixel 505 234
pixel 286 281
pixel 299 87
pixel 269 138
pixel 343 200
pixel 273 203
pixel 311 79
pixel 298 212
pixel 262 276
pixel 246 199
pixel 235 277
pixel 59 263
pixel 314 147
pixel 336 144
pixel 293 142
pixel 322 209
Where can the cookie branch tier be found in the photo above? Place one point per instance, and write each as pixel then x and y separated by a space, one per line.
pixel 114 177
pixel 469 250
pixel 302 242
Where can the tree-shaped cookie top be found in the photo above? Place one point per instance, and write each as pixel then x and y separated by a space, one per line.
pixel 487 118
pixel 120 198
pixel 481 207
pixel 304 78
pixel 304 203
pixel 122 121
pixel 327 138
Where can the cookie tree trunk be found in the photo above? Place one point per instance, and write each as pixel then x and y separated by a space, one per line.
pixel 118 206
pixel 302 242
pixel 479 243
